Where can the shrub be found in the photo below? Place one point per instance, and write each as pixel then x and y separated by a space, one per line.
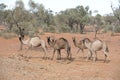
pixel 117 29
pixel 14 29
pixel 65 29
pixel 108 28
pixel 7 35
pixel 31 33
pixel 41 33
pixel 45 28
pixel 52 29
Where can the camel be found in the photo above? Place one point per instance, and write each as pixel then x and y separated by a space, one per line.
pixel 33 42
pixel 59 44
pixel 95 46
pixel 79 44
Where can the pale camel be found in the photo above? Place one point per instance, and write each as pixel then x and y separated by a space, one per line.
pixel 95 46
pixel 33 42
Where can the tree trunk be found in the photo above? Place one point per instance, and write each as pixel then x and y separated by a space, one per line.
pixel 81 28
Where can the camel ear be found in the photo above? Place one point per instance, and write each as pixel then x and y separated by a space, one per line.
pixel 87 40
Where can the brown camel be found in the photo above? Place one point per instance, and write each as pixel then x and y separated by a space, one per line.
pixel 79 44
pixel 59 44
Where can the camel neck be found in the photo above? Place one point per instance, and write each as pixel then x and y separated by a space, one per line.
pixel 88 45
pixel 25 41
pixel 75 43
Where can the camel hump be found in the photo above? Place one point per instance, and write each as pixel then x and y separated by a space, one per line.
pixel 35 41
pixel 63 39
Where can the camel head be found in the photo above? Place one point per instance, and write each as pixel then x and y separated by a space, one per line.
pixel 73 38
pixel 21 35
pixel 51 40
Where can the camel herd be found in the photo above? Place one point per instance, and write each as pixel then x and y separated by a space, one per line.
pixel 62 43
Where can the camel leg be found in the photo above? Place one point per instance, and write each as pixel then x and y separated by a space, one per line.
pixel 78 50
pixel 53 54
pixel 105 56
pixel 69 55
pixel 44 49
pixel 59 54
pixel 30 47
pixel 83 53
pixel 45 52
pixel 21 46
pixel 89 55
pixel 94 56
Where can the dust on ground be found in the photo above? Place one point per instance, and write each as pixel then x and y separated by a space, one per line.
pixel 19 65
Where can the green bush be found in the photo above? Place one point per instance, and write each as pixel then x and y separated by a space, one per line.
pixel 65 29
pixel 117 29
pixel 45 28
pixel 7 35
pixel 14 29
pixel 108 28
pixel 52 29
pixel 31 33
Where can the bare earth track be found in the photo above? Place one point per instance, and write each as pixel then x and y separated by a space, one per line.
pixel 18 67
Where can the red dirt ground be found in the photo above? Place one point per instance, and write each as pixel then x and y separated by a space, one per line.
pixel 14 68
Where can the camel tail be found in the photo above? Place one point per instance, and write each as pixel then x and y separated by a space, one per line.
pixel 105 46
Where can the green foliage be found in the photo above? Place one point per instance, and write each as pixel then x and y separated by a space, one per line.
pixel 2 6
pixel 39 17
pixel 108 28
pixel 51 28
pixel 117 29
pixel 65 29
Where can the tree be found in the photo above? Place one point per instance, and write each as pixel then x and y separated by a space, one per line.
pixel 2 10
pixel 116 11
pixel 82 17
pixel 20 16
pixel 78 15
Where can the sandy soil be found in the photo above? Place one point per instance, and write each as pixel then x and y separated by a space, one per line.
pixel 18 67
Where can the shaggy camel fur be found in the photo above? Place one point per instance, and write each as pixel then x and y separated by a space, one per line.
pixel 79 44
pixel 95 46
pixel 34 42
pixel 59 44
